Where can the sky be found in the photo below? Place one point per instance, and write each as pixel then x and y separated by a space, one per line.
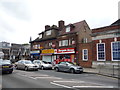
pixel 22 19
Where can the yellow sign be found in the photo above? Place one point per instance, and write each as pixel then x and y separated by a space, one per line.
pixel 47 51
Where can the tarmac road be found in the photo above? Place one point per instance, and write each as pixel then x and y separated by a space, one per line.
pixel 49 79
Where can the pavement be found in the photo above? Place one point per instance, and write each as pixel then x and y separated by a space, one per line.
pixel 105 72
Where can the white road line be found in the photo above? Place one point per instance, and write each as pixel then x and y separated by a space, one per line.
pixel 93 86
pixel 71 81
pixel 60 85
pixel 48 77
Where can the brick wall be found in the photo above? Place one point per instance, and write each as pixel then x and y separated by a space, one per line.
pixel 88 46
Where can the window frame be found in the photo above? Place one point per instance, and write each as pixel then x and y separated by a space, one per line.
pixel 113 51
pixel 67 29
pixel 48 32
pixel 83 54
pixel 104 53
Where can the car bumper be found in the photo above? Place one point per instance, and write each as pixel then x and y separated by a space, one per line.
pixel 5 70
pixel 79 71
pixel 33 68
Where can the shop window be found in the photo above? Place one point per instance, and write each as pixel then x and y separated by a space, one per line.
pixel 115 47
pixel 85 54
pixel 67 56
pixel 101 51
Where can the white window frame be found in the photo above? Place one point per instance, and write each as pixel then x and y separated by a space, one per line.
pixel 68 29
pixel 40 36
pixel 50 44
pixel 64 42
pixel 60 43
pixel 112 50
pixel 48 32
pixel 104 53
pixel 83 54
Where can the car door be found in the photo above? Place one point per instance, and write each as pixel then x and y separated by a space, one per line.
pixel 67 66
pixel 20 64
pixel 62 66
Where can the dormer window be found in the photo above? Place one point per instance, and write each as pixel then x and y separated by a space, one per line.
pixel 40 36
pixel 67 29
pixel 48 32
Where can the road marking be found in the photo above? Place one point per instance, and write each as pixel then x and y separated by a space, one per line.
pixel 71 81
pixel 48 77
pixel 60 85
pixel 93 86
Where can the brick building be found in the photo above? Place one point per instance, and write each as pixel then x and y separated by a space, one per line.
pixel 65 42
pixel 106 45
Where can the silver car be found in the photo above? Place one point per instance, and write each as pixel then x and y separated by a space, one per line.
pixel 68 67
pixel 42 64
pixel 26 65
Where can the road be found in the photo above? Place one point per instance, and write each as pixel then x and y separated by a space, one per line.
pixel 51 79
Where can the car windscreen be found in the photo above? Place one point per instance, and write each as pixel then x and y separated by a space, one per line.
pixel 28 62
pixel 5 62
pixel 45 62
pixel 70 63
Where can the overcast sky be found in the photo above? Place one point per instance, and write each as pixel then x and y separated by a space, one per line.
pixel 20 19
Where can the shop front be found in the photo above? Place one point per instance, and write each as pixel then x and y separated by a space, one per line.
pixel 65 54
pixel 48 55
pixel 35 54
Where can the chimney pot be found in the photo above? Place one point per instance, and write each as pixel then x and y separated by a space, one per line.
pixel 61 24
pixel 47 27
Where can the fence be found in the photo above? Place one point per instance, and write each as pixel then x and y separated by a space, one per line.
pixel 109 70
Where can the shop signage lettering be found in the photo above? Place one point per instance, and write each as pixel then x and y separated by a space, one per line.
pixel 35 51
pixel 65 50
pixel 47 51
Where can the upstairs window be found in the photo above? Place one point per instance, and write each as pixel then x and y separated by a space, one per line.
pixel 63 43
pixel 40 36
pixel 67 29
pixel 48 32
pixel 50 44
pixel 85 40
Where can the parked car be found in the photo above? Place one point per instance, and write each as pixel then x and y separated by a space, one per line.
pixel 6 66
pixel 43 64
pixel 26 65
pixel 68 67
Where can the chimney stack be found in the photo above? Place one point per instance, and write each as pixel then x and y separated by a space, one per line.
pixel 47 27
pixel 61 24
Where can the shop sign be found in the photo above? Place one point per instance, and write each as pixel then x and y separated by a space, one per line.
pixel 64 51
pixel 47 51
pixel 37 51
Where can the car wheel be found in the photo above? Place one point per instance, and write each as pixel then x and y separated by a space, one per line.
pixel 42 68
pixel 26 68
pixel 57 69
pixel 36 69
pixel 72 70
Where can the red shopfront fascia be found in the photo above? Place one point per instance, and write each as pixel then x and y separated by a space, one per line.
pixel 64 51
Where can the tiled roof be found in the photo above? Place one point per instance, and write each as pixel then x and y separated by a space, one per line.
pixel 116 22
